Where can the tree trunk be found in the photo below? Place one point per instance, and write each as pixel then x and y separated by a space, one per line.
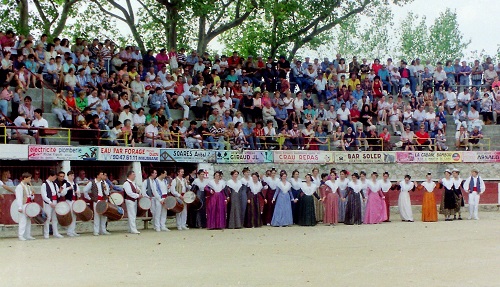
pixel 137 37
pixel 202 36
pixel 172 18
pixel 62 21
pixel 23 27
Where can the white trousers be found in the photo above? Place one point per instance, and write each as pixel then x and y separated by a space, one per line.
pixel 51 218
pixel 182 103
pixel 474 204
pixel 24 225
pixel 72 227
pixel 181 217
pixel 132 214
pixel 99 222
pixel 156 208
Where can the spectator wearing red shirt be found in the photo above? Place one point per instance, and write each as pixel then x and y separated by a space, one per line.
pixel 355 114
pixel 234 60
pixel 161 59
pixel 258 133
pixel 7 41
pixel 422 138
pixel 376 66
pixel 114 104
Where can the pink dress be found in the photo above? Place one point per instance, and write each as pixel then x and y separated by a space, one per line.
pixel 376 210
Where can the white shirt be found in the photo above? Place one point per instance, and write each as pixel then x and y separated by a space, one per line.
pixel 406 186
pixel 235 185
pixel 20 191
pixel 481 184
pixel 373 186
pixel 151 131
pixel 429 185
pixel 255 187
pixel 271 182
pixel 342 184
pixel 88 188
pixel 343 114
pixel 284 187
pixel 128 189
pixel 385 185
pixel 173 186
pixel 124 116
pixel 152 184
pixel 53 189
pixel 309 189
pixel 333 185
pixel 296 183
pixel 40 123
pixel 217 187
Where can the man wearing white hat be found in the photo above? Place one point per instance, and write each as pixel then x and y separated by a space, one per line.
pixel 475 187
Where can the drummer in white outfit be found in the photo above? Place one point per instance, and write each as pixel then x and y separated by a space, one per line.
pixel 404 202
pixel 161 192
pixel 475 187
pixel 24 195
pixel 132 194
pixel 50 193
pixel 178 188
pixel 100 191
pixel 71 192
pixel 150 188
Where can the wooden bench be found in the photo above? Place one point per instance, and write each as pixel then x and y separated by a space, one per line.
pixel 146 220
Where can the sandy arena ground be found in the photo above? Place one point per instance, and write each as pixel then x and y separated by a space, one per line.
pixel 459 253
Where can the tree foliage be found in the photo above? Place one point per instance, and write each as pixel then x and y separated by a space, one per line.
pixel 414 37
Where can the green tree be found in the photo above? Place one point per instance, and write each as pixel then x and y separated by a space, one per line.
pixel 446 41
pixel 287 26
pixel 414 38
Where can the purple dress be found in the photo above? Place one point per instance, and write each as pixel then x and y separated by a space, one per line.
pixel 216 204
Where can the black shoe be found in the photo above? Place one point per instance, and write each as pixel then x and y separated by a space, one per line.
pixel 460 218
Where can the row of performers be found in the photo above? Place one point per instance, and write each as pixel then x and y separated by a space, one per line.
pixel 278 200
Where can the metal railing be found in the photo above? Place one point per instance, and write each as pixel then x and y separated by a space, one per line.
pixel 481 144
pixel 3 134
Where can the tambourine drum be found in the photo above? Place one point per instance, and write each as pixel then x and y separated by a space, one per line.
pixel 35 212
pixel 63 213
pixel 143 205
pixel 116 198
pixel 193 201
pixel 82 211
pixel 111 211
pixel 174 204
pixel 14 213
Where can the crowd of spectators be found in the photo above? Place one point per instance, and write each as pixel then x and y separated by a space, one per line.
pixel 124 97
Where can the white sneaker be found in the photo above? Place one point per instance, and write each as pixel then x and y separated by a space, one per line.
pixel 58 236
pixel 76 234
pixel 46 236
pixel 70 235
pixel 30 238
pixel 96 234
pixel 22 238
pixel 469 218
pixel 157 230
pixel 106 233
pixel 165 229
pixel 179 228
pixel 185 228
pixel 476 218
pixel 135 232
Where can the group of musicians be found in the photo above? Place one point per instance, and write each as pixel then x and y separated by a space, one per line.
pixel 249 200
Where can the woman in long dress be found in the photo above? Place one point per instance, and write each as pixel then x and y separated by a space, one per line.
pixel 318 205
pixel 457 184
pixel 404 202
pixel 330 198
pixel 429 210
pixel 448 202
pixel 282 201
pixel 376 210
pixel 216 202
pixel 271 181
pixel 362 179
pixel 252 215
pixel 354 198
pixel 342 182
pixel 247 177
pixel 387 186
pixel 296 184
pixel 235 213
pixel 198 186
pixel 307 216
